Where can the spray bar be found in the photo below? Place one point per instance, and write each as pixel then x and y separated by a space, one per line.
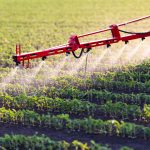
pixel 74 43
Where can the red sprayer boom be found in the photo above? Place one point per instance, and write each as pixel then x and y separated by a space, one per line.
pixel 74 43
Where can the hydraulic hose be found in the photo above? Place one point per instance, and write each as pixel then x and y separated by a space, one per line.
pixel 128 32
pixel 81 52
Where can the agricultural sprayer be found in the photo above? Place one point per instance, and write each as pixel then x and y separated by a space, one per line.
pixel 74 43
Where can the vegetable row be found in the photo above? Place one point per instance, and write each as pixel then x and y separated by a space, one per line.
pixel 97 96
pixel 124 76
pixel 101 84
pixel 86 125
pixel 118 110
pixel 34 142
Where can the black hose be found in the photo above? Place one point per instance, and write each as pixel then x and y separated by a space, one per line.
pixel 128 32
pixel 82 50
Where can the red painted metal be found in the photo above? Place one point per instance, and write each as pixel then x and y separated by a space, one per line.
pixel 132 21
pixel 18 49
pixel 74 43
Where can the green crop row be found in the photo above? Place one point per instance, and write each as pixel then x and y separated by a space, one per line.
pixel 131 76
pixel 101 97
pixel 143 68
pixel 101 84
pixel 96 96
pixel 106 82
pixel 120 86
pixel 123 76
pixel 116 110
pixel 34 142
pixel 86 125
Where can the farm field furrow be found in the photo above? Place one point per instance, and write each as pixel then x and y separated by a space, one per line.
pixel 114 142
pixel 87 125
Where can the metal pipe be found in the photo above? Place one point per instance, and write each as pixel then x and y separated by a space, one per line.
pixel 122 24
pixel 132 21
pixel 95 32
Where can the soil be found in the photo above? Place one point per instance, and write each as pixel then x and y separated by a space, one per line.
pixel 114 142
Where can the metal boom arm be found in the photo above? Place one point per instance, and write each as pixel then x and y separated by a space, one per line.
pixel 74 43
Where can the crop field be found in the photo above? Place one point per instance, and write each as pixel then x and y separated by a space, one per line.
pixel 98 102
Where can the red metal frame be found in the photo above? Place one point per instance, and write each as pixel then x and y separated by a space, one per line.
pixel 74 43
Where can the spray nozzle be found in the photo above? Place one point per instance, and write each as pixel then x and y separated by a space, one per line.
pixel 126 42
pixel 143 38
pixel 108 45
pixel 67 53
pixel 43 58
